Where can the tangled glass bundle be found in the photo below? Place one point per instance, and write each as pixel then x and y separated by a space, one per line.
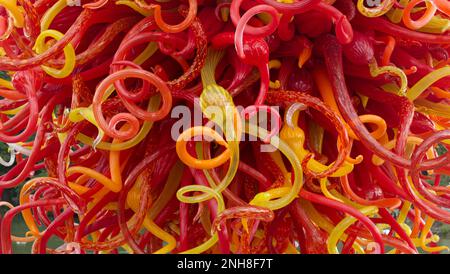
pixel 351 156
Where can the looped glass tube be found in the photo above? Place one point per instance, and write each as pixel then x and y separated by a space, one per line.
pixel 14 11
pixel 181 195
pixel 215 102
pixel 69 54
pixel 377 11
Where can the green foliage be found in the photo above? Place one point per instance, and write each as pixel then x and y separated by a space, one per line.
pixel 4 75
